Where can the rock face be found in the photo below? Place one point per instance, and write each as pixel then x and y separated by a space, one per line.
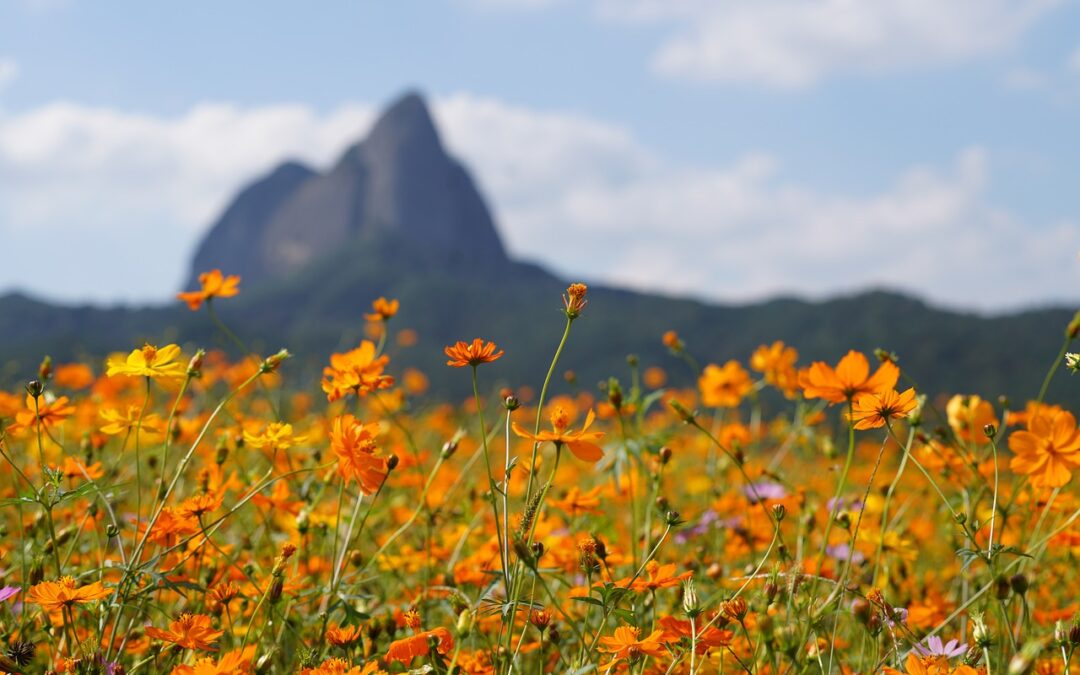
pixel 399 182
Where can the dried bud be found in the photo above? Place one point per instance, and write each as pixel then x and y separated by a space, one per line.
pixel 862 611
pixel 1001 588
pixel 1019 584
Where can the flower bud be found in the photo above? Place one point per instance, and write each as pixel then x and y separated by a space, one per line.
pixel 691 604
pixel 1073 329
pixel 35 388
pixel 272 363
pixel 1072 362
pixel 392 462
pixel 779 511
pixel 680 410
pixel 665 455
pixel 1001 588
pixel 1019 583
pixel 45 370
pixel 980 631
pixel 511 402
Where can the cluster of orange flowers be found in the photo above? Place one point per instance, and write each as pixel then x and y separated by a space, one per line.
pixel 188 514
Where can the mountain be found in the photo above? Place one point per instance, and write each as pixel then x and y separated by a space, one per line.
pixel 399 181
pixel 397 216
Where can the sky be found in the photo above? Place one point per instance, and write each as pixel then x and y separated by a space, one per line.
pixel 727 149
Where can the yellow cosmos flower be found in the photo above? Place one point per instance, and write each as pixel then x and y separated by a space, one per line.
pixel 149 362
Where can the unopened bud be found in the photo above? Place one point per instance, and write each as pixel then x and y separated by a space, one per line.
pixel 680 410
pixel 272 363
pixel 35 388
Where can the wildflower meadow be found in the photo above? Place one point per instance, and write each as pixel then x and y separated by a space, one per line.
pixel 178 510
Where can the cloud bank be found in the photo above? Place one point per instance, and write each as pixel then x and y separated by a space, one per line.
pixel 105 204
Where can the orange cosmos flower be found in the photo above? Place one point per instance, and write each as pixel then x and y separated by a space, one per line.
pixel 342 636
pixel 968 417
pixel 405 650
pixel 777 363
pixel 73 376
pixel 339 666
pixel 656 576
pixel 463 354
pixel 724 387
pixel 673 342
pixel 213 284
pixel 190 631
pixel 577 502
pixel 677 629
pixel 48 413
pixel 74 468
pixel 149 362
pixel 1047 450
pixel 383 310
pixel 354 444
pixel 624 644
pixel 358 371
pixel 54 596
pixel 850 378
pixel 236 662
pixel 875 409
pixel 580 442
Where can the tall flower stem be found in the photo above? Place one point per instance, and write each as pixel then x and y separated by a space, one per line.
pixel 540 405
pixel 492 488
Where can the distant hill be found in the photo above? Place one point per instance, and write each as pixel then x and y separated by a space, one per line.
pixel 397 216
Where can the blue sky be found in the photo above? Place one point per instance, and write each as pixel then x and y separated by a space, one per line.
pixel 733 149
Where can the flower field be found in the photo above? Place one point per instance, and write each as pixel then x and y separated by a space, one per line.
pixel 172 510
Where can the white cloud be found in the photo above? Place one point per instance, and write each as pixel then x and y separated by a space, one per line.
pixel 103 204
pixel 1025 79
pixel 796 43
pixel 9 72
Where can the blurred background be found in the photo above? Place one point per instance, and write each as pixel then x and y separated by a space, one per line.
pixel 906 167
